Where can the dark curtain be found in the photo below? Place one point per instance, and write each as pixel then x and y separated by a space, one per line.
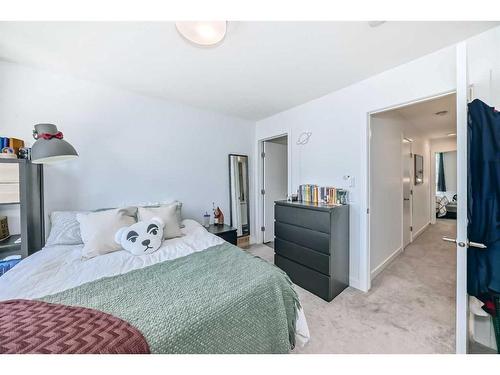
pixel 483 203
pixel 441 182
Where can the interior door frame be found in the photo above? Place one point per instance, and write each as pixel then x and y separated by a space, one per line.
pixel 259 198
pixel 367 257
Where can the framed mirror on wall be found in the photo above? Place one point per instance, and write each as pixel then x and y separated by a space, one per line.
pixel 239 194
pixel 419 169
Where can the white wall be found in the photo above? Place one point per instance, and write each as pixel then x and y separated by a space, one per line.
pixel 338 145
pixel 132 148
pixel 386 189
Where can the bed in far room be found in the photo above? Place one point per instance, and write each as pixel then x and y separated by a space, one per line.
pixel 195 294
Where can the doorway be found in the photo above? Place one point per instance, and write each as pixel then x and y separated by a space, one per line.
pixel 402 184
pixel 274 182
pixel 406 246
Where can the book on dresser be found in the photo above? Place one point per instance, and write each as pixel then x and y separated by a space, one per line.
pixel 312 245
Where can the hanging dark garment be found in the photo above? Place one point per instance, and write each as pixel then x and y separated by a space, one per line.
pixel 483 211
pixel 441 180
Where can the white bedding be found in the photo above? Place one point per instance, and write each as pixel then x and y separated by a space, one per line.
pixel 57 268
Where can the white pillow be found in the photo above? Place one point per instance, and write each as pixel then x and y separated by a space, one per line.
pixel 98 229
pixel 64 228
pixel 178 211
pixel 168 214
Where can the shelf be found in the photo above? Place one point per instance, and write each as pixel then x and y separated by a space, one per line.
pixel 9 203
pixel 12 160
pixel 9 244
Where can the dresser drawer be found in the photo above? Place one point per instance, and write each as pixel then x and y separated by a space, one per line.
pixel 304 277
pixel 9 193
pixel 306 218
pixel 310 258
pixel 304 237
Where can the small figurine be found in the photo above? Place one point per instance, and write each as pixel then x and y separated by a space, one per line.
pixel 218 216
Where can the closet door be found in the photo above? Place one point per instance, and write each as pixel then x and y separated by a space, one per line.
pixel 478 65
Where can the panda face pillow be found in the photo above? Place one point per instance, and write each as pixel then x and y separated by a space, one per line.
pixel 141 238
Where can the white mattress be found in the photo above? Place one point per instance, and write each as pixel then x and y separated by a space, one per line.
pixel 57 268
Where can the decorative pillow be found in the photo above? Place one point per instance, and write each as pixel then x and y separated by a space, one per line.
pixel 141 238
pixel 178 209
pixel 441 203
pixel 64 228
pixel 98 229
pixel 167 214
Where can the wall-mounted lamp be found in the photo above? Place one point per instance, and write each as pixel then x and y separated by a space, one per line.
pixel 50 147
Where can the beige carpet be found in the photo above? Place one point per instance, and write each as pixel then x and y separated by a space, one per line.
pixel 410 308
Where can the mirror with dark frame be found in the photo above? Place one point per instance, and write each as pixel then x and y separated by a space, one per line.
pixel 419 169
pixel 238 194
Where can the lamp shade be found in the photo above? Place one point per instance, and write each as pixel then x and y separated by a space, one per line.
pixel 50 147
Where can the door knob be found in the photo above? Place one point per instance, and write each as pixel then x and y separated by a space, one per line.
pixel 469 243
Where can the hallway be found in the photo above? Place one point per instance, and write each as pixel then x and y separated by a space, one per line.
pixel 410 308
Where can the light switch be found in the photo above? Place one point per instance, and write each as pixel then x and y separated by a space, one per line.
pixel 349 180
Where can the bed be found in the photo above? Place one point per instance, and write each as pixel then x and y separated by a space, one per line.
pixel 196 294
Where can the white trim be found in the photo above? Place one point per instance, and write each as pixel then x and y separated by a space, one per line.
pixel 385 263
pixel 259 205
pixel 420 231
pixel 406 104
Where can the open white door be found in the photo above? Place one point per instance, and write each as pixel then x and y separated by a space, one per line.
pixel 407 192
pixel 275 183
pixel 462 312
pixel 462 305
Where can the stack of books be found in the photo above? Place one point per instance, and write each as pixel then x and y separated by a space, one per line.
pixel 13 144
pixel 322 194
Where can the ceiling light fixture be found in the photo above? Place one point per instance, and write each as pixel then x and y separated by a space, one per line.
pixel 441 113
pixel 376 23
pixel 202 33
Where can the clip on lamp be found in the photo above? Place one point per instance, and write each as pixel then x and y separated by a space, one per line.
pixel 50 147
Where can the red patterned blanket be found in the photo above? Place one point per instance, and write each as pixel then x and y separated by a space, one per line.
pixel 41 327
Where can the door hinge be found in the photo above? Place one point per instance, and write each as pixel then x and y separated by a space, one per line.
pixel 262 229
pixel 411 192
pixel 263 192
pixel 411 228
pixel 368 211
pixel 263 154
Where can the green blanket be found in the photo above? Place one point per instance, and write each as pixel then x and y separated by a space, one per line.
pixel 221 300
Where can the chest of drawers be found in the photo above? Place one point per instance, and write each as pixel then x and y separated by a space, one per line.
pixel 312 246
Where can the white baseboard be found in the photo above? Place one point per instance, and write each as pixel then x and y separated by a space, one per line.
pixel 385 263
pixel 420 231
pixel 354 283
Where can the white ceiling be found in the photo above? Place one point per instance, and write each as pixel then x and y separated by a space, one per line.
pixel 422 121
pixel 260 68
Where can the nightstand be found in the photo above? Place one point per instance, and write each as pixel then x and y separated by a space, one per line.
pixel 225 232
